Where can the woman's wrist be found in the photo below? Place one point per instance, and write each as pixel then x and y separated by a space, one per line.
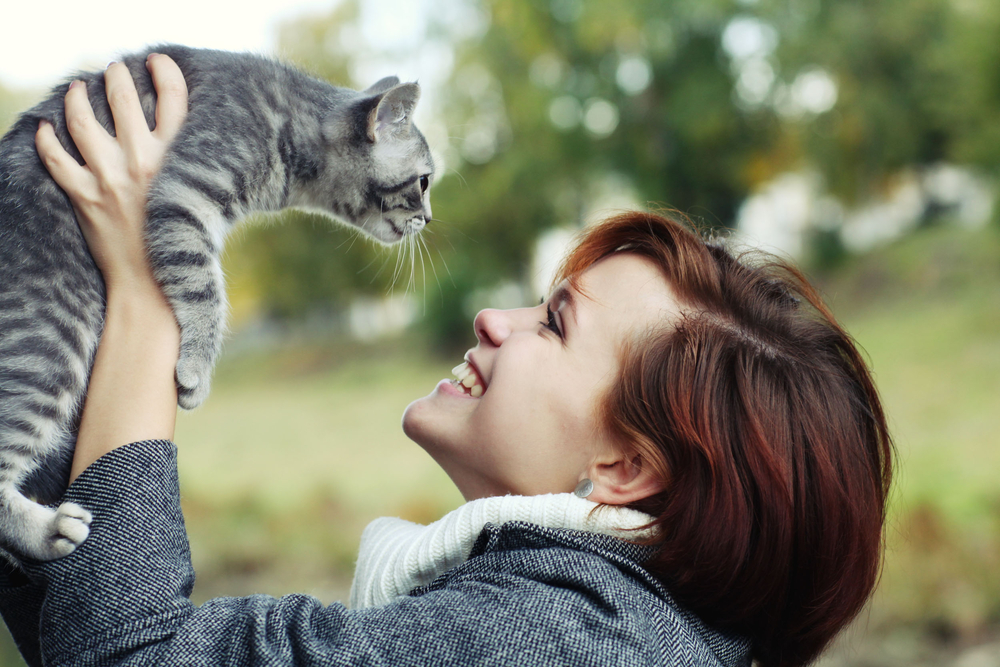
pixel 132 395
pixel 145 310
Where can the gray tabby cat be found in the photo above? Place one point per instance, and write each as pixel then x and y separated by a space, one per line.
pixel 259 136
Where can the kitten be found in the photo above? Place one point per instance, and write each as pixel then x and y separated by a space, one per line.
pixel 259 136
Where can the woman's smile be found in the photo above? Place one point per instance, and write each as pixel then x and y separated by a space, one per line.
pixel 468 379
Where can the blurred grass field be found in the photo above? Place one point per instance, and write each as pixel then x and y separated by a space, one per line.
pixel 927 312
pixel 296 450
pixel 293 455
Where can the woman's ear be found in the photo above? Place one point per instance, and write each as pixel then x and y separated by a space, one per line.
pixel 622 480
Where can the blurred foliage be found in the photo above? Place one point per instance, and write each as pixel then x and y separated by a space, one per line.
pixel 558 107
pixel 926 311
pixel 917 84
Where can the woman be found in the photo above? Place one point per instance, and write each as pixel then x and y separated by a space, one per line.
pixel 715 409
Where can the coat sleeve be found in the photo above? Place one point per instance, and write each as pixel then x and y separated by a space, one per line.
pixel 122 599
pixel 21 607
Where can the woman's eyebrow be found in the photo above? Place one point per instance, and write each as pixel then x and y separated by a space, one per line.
pixel 563 294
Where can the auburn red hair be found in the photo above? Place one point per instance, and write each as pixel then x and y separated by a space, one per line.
pixel 761 418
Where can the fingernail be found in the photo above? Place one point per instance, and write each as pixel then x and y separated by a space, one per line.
pixel 42 123
pixel 151 55
pixel 76 83
pixel 111 63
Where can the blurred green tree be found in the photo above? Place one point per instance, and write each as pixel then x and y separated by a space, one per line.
pixel 917 84
pixel 559 105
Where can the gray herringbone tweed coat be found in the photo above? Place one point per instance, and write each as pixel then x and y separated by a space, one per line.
pixel 527 596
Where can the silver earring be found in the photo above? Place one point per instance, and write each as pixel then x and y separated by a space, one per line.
pixel 584 488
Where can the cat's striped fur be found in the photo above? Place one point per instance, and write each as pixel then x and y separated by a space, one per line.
pixel 259 136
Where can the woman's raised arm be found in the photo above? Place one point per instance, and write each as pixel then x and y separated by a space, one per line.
pixel 132 395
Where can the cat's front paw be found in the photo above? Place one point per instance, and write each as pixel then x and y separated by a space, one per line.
pixel 68 529
pixel 194 379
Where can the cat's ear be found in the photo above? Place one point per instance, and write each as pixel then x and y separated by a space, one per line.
pixel 382 85
pixel 394 111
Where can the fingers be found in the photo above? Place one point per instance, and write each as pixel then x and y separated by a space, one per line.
pixel 89 136
pixel 61 165
pixel 171 92
pixel 130 123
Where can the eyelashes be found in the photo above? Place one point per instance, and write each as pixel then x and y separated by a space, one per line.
pixel 551 325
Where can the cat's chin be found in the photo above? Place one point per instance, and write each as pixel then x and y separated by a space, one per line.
pixel 384 231
pixel 390 232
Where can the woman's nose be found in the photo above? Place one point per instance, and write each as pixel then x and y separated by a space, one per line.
pixel 492 326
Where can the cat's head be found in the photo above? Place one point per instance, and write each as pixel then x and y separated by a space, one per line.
pixel 377 168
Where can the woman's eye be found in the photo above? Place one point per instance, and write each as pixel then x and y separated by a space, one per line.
pixel 424 184
pixel 551 324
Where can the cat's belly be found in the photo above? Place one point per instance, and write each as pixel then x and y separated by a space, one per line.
pixel 51 310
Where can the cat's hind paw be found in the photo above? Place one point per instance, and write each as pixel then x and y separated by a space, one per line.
pixel 194 380
pixel 69 528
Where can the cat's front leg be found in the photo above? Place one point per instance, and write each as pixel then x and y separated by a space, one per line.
pixel 201 315
pixel 185 261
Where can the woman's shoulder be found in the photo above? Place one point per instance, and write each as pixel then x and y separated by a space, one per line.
pixel 586 585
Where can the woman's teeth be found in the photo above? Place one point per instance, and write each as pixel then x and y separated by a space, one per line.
pixel 468 379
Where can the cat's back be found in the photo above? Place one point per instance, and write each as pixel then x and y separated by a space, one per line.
pixel 225 89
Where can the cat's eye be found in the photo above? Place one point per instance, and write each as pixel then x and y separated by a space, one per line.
pixel 424 184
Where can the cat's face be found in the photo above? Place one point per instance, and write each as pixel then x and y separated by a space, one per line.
pixel 378 168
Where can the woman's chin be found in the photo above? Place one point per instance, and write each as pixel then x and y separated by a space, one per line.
pixel 422 416
pixel 412 420
pixel 437 421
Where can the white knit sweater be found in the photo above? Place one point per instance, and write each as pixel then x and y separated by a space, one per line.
pixel 396 556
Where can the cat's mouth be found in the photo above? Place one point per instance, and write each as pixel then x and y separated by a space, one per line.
pixel 408 227
pixel 397 232
pixel 468 380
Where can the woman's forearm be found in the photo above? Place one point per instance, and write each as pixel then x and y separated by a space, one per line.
pixel 132 395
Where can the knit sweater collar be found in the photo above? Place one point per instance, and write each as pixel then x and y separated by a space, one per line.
pixel 396 556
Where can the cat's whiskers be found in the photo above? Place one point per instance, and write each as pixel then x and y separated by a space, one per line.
pixel 365 267
pixel 408 253
pixel 430 260
pixel 412 284
pixel 459 174
pixel 382 252
pixel 402 261
pixel 443 261
pixel 456 229
pixel 397 271
pixel 418 243
pixel 355 234
pixel 409 248
pixel 413 261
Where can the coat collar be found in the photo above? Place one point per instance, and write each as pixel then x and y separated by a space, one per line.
pixel 396 556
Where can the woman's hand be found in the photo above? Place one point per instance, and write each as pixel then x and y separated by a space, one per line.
pixel 109 191
pixel 132 395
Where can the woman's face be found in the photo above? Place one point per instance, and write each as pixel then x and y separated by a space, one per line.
pixel 534 429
